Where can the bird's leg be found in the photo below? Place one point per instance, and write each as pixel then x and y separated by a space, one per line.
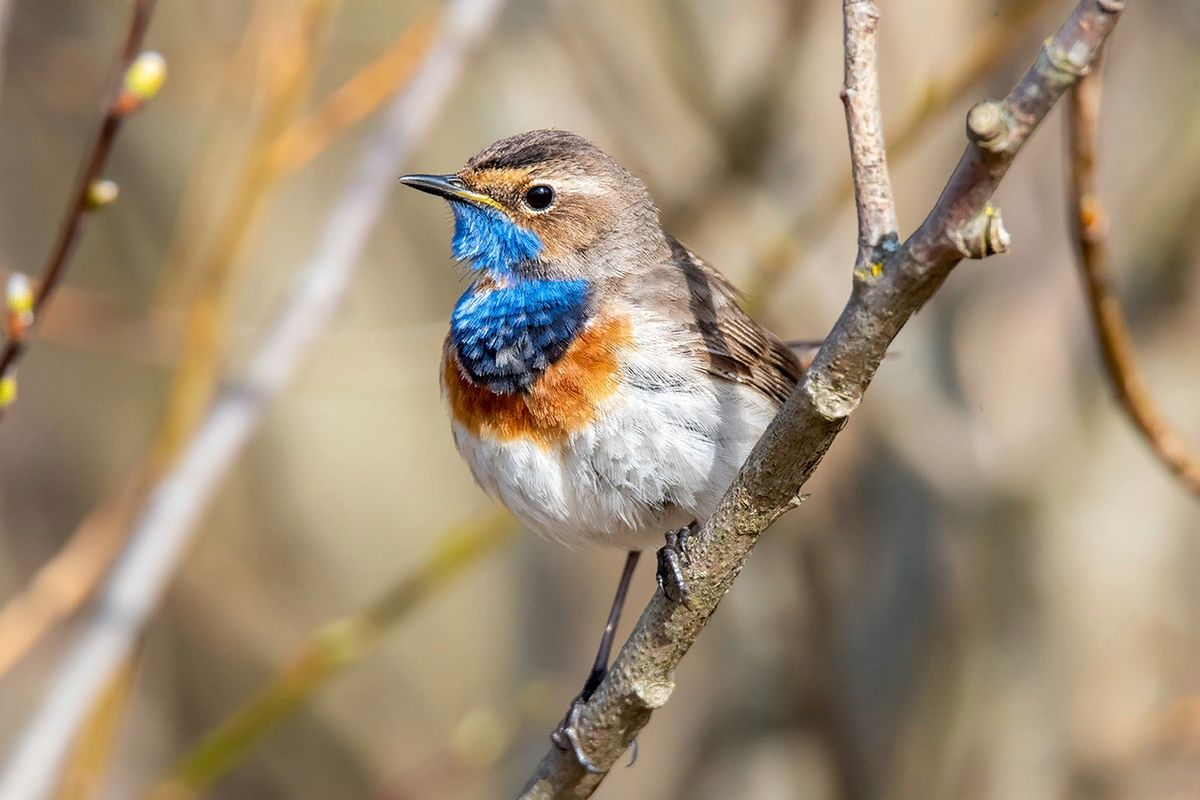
pixel 567 734
pixel 670 555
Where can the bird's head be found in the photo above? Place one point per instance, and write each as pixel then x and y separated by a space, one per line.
pixel 546 204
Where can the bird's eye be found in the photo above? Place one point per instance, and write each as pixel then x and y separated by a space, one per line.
pixel 539 197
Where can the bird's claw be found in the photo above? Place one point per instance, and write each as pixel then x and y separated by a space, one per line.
pixel 670 557
pixel 566 737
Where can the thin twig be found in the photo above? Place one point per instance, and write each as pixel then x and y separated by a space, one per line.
pixel 361 94
pixel 63 582
pixel 1089 223
pixel 179 499
pixel 878 230
pixel 292 43
pixel 995 41
pixel 962 224
pixel 118 108
pixel 83 778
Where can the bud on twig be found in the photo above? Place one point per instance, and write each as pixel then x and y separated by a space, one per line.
pixel 101 193
pixel 8 391
pixel 143 79
pixel 18 297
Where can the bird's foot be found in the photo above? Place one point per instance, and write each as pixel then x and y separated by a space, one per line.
pixel 566 736
pixel 670 557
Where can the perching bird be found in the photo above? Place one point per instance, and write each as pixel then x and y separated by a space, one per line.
pixel 602 381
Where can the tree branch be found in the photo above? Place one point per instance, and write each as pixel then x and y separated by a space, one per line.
pixel 121 103
pixel 175 506
pixel 991 45
pixel 962 224
pixel 1089 223
pixel 878 231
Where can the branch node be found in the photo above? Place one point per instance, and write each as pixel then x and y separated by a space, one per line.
pixel 101 193
pixel 983 235
pixel 990 126
pixel 1111 6
pixel 828 402
pixel 653 694
pixel 1065 67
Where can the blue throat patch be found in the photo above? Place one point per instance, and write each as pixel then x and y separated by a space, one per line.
pixel 489 240
pixel 507 336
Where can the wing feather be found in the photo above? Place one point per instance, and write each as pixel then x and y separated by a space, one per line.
pixel 737 348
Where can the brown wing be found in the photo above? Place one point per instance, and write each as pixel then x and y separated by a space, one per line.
pixel 737 347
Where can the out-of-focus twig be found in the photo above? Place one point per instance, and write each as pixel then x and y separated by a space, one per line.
pixel 132 89
pixel 177 501
pixel 330 651
pixel 962 224
pixel 62 583
pixel 288 56
pixel 354 99
pixel 996 41
pixel 1089 223
pixel 287 63
pixel 6 9
pixel 97 739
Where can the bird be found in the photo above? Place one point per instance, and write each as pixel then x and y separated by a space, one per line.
pixel 603 381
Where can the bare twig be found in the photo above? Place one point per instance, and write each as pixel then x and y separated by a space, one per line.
pixel 60 586
pixel 994 42
pixel 174 507
pixel 877 226
pixel 962 224
pixel 292 43
pixel 1089 222
pixel 360 95
pixel 119 106
pixel 83 777
pixel 63 582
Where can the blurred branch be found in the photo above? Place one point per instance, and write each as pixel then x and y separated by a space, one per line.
pixel 330 651
pixel 242 97
pixel 1089 223
pixel 132 89
pixel 6 9
pixel 997 41
pixel 287 63
pixel 177 501
pixel 354 99
pixel 963 223
pixel 85 770
pixel 62 583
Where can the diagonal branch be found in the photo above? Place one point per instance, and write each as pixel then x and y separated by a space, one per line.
pixel 962 224
pixel 1089 224
pixel 878 231
pixel 177 502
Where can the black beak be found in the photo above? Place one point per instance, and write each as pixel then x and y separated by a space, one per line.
pixel 450 187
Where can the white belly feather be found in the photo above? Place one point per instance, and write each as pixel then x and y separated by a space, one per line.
pixel 661 453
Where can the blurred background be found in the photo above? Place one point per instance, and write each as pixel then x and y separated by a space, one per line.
pixel 992 592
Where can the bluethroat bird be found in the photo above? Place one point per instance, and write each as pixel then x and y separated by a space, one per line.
pixel 602 381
